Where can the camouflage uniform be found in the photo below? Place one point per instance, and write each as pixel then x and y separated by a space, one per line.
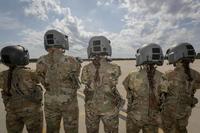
pixel 179 100
pixel 140 113
pixel 23 101
pixel 102 100
pixel 59 75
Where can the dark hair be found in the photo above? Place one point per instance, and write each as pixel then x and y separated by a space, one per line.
pixel 151 69
pixel 186 66
pixel 96 63
pixel 9 80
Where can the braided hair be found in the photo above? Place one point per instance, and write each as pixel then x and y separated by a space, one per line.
pixel 151 69
pixel 9 80
pixel 96 63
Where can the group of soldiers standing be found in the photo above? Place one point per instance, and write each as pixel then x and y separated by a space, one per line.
pixel 155 100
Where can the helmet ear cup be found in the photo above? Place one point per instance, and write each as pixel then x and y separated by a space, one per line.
pixel 55 39
pixel 5 59
pixel 182 51
pixel 149 54
pixel 12 56
pixel 99 45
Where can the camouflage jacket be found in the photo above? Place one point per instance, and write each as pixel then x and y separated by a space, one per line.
pixel 59 74
pixel 24 92
pixel 102 95
pixel 180 93
pixel 138 93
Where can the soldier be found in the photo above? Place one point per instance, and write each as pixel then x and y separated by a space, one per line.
pixel 182 85
pixel 143 91
pixel 59 75
pixel 21 93
pixel 102 99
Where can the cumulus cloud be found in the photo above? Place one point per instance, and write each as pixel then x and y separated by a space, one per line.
pixel 99 3
pixel 31 39
pixel 9 23
pixel 66 23
pixel 41 8
pixel 145 21
pixel 160 21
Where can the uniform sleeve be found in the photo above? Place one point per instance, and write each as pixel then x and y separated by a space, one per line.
pixel 27 78
pixel 1 80
pixel 4 93
pixel 128 88
pixel 126 83
pixel 35 91
pixel 196 80
pixel 129 83
pixel 78 68
pixel 41 71
pixel 163 85
pixel 76 65
pixel 84 75
pixel 34 77
pixel 118 72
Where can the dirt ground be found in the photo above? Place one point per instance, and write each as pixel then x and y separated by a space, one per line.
pixel 126 67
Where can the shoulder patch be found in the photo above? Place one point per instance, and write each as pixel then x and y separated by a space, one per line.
pixel 70 59
pixel 41 59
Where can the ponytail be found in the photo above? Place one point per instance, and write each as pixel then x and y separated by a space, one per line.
pixel 151 69
pixel 96 63
pixel 9 80
pixel 153 103
pixel 186 66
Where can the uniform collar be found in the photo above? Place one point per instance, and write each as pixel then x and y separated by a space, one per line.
pixel 56 51
pixel 179 67
pixel 143 69
pixel 103 60
pixel 56 55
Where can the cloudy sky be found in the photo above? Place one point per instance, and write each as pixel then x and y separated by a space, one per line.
pixel 127 23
